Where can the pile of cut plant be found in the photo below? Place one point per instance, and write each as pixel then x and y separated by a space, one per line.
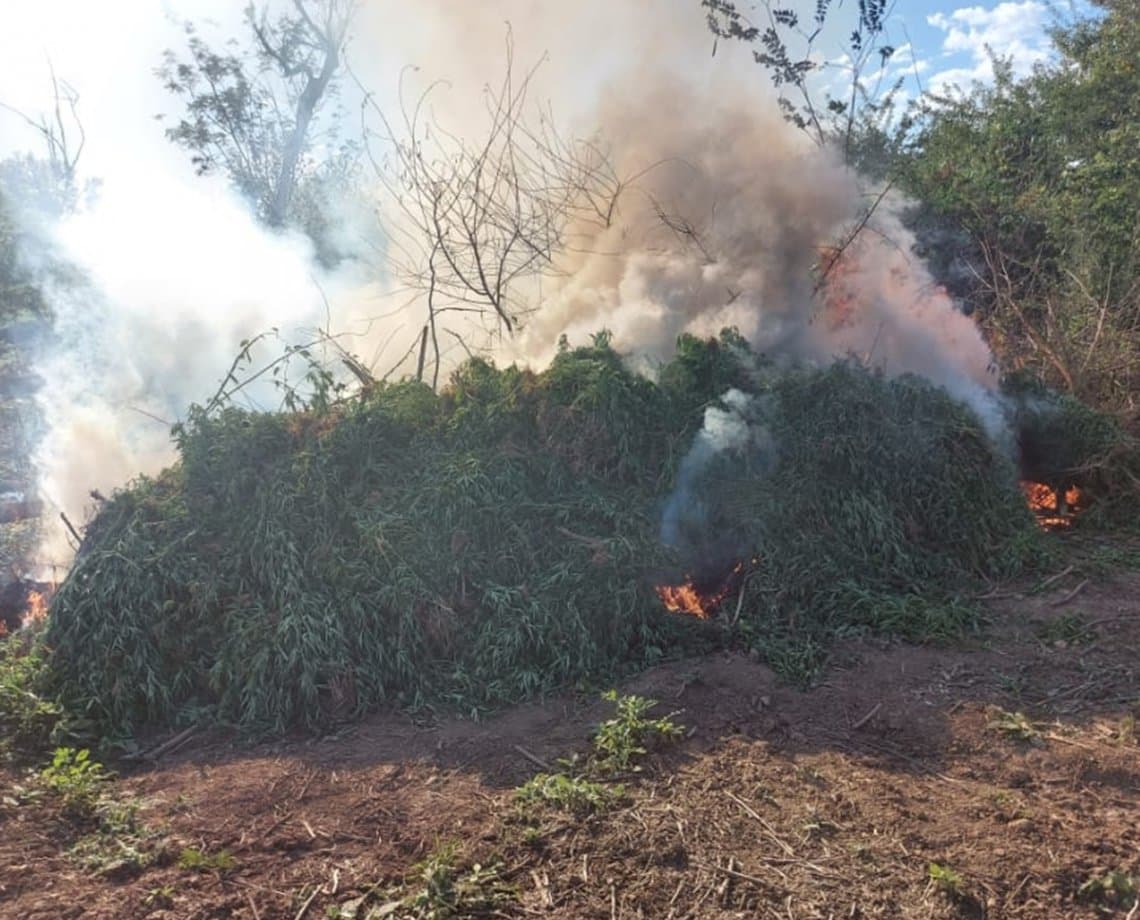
pixel 503 538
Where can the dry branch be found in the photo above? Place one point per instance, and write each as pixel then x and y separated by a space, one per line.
pixel 474 225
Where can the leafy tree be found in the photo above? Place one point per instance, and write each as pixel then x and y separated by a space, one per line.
pixel 255 114
pixel 785 46
pixel 1037 183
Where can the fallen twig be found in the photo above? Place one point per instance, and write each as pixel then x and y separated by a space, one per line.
pixel 1121 617
pixel 166 747
pixel 308 901
pixel 542 886
pixel 752 812
pixel 734 873
pixel 868 717
pixel 1052 578
pixel 996 595
pixel 253 906
pixel 71 527
pixel 1053 736
pixel 592 542
pixel 534 758
pixel 1068 597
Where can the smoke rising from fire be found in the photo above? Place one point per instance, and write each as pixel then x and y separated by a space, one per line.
pixel 727 224
pixel 735 427
pixel 741 222
pixel 171 277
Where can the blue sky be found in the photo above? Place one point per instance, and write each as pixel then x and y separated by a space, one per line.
pixel 948 41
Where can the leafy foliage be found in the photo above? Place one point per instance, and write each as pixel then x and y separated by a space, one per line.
pixel 576 794
pixel 619 744
pixel 786 50
pixel 1115 887
pixel 945 878
pixel 195 860
pixel 501 539
pixel 1031 187
pixel 442 890
pixel 864 504
pixel 76 779
pixel 29 717
pixel 620 741
pixel 257 115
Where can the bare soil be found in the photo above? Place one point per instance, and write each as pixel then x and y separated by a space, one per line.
pixel 828 803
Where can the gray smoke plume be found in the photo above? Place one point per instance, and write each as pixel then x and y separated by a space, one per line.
pixel 730 218
pixel 743 223
pixel 730 428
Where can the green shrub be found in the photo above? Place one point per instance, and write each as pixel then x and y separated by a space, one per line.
pixel 575 794
pixel 78 780
pixel 502 539
pixel 28 715
pixel 620 741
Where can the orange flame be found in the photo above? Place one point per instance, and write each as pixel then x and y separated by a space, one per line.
pixel 1054 510
pixel 36 609
pixel 688 599
pixel 685 598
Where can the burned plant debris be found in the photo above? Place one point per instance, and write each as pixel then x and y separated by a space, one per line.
pixel 503 538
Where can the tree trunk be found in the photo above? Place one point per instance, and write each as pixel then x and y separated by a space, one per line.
pixel 306 105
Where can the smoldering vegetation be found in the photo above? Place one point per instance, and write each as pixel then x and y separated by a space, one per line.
pixel 782 410
pixel 502 538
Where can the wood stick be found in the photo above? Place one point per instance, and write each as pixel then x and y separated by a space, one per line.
pixel 171 744
pixel 1068 597
pixel 1052 578
pixel 305 906
pixel 70 526
pixel 534 759
pixel 732 872
pixel 868 717
pixel 767 827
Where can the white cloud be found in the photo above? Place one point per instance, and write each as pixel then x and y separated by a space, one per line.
pixel 1011 30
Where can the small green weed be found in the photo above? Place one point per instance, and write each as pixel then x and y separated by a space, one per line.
pixel 160 898
pixel 621 740
pixel 945 878
pixel 1107 560
pixel 1010 807
pixel 618 744
pixel 1126 733
pixel 116 841
pixel 1015 725
pixel 77 779
pixel 27 716
pixel 443 891
pixel 1015 683
pixel 195 860
pixel 570 793
pixel 1116 887
pixel 112 854
pixel 1070 629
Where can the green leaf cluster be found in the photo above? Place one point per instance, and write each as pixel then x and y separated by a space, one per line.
pixel 501 540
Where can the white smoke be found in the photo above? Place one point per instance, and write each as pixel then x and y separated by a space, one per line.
pixel 732 427
pixel 744 223
pixel 726 225
pixel 172 277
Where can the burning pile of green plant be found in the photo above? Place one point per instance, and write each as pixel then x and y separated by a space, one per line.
pixel 503 538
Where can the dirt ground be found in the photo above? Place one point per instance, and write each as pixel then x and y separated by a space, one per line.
pixel 999 780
